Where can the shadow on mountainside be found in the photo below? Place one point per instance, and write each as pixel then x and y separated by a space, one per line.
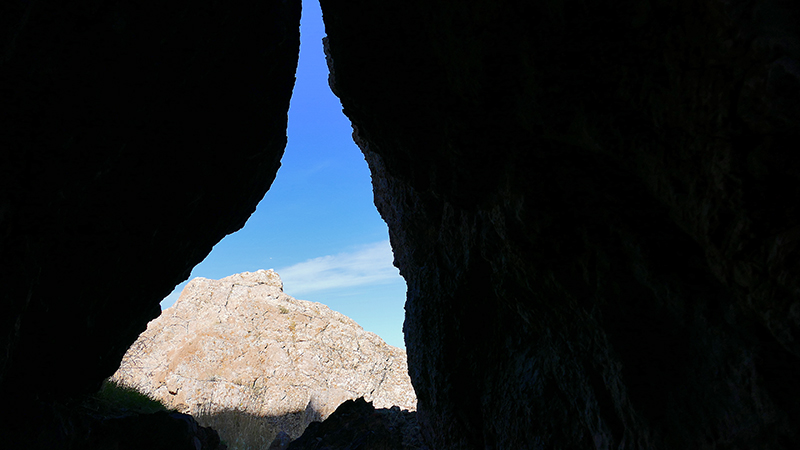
pixel 119 417
pixel 355 425
pixel 241 430
pixel 123 413
pixel 119 408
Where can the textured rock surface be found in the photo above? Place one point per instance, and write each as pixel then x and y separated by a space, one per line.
pixel 241 344
pixel 134 136
pixel 595 207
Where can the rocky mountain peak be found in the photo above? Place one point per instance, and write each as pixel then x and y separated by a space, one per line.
pixel 240 344
pixel 259 277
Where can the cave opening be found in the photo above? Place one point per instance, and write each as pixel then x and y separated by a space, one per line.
pixel 317 226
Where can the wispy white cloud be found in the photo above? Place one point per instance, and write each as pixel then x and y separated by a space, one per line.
pixel 370 265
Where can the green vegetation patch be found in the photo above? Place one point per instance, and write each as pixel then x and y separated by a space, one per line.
pixel 116 399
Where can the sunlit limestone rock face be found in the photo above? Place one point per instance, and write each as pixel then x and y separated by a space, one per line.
pixel 595 207
pixel 241 346
pixel 133 137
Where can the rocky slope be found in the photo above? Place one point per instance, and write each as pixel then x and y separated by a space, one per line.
pixel 241 344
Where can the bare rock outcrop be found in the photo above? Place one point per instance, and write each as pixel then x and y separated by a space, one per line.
pixel 241 344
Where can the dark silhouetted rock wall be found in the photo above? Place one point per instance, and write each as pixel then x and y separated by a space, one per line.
pixel 134 136
pixel 595 207
pixel 357 425
pixel 594 204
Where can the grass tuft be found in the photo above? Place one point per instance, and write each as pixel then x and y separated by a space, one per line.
pixel 116 399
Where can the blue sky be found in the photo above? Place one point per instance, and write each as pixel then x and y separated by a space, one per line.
pixel 317 226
